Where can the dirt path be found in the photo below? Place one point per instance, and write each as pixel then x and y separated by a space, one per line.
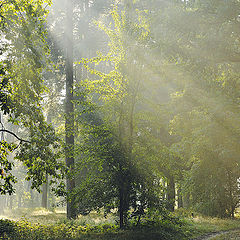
pixel 211 236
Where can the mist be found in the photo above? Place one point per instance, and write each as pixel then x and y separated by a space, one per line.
pixel 120 114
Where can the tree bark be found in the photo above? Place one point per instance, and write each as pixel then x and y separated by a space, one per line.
pixel 45 194
pixel 123 204
pixel 179 197
pixel 69 112
pixel 121 209
pixel 44 202
pixel 171 193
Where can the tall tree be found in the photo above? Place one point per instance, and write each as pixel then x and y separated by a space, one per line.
pixel 69 112
pixel 109 159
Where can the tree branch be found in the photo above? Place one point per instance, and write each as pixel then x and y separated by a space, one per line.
pixel 20 139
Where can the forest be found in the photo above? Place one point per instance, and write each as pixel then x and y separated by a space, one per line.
pixel 119 119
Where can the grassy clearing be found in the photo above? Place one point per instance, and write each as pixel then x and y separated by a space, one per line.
pixel 43 216
pixel 41 224
pixel 23 230
pixel 205 224
pixel 228 236
pixel 200 225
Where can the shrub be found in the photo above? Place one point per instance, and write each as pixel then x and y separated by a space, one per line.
pixel 6 227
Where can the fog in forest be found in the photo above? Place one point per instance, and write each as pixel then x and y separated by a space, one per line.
pixel 119 114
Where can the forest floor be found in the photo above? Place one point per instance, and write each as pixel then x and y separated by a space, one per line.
pixel 206 228
pixel 197 227
pixel 222 235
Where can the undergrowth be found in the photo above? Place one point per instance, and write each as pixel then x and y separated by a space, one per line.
pixel 24 230
pixel 181 225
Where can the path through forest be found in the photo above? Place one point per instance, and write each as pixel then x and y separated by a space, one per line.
pixel 223 235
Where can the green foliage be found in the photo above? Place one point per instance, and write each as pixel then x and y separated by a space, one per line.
pixel 158 106
pixel 111 175
pixel 6 228
pixel 104 170
pixel 24 54
pixel 5 88
pixel 41 156
pixel 25 230
pixel 6 186
pixel 156 224
pixel 200 62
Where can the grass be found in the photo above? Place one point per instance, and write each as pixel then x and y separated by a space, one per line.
pixel 206 224
pixel 43 216
pixel 201 225
pixel 40 222
pixel 228 236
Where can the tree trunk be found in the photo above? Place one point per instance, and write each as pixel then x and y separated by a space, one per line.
pixel 44 202
pixel 123 204
pixel 232 211
pixel 45 194
pixel 179 197
pixel 121 209
pixel 171 193
pixel 69 112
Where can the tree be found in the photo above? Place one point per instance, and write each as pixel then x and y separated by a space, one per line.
pixel 69 112
pixel 59 39
pixel 108 162
pixel 204 78
pixel 24 56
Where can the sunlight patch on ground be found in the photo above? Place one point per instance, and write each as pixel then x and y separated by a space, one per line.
pixel 41 212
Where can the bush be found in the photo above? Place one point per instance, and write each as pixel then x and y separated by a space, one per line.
pixel 27 231
pixel 158 228
pixel 166 225
pixel 6 227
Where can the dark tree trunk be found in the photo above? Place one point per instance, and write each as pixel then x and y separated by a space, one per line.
pixel 121 208
pixel 179 197
pixel 45 194
pixel 231 195
pixel 123 205
pixel 232 211
pixel 69 112
pixel 171 193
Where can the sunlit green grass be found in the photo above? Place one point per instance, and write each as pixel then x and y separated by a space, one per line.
pixel 43 216
pixel 200 225
pixel 192 226
pixel 235 235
